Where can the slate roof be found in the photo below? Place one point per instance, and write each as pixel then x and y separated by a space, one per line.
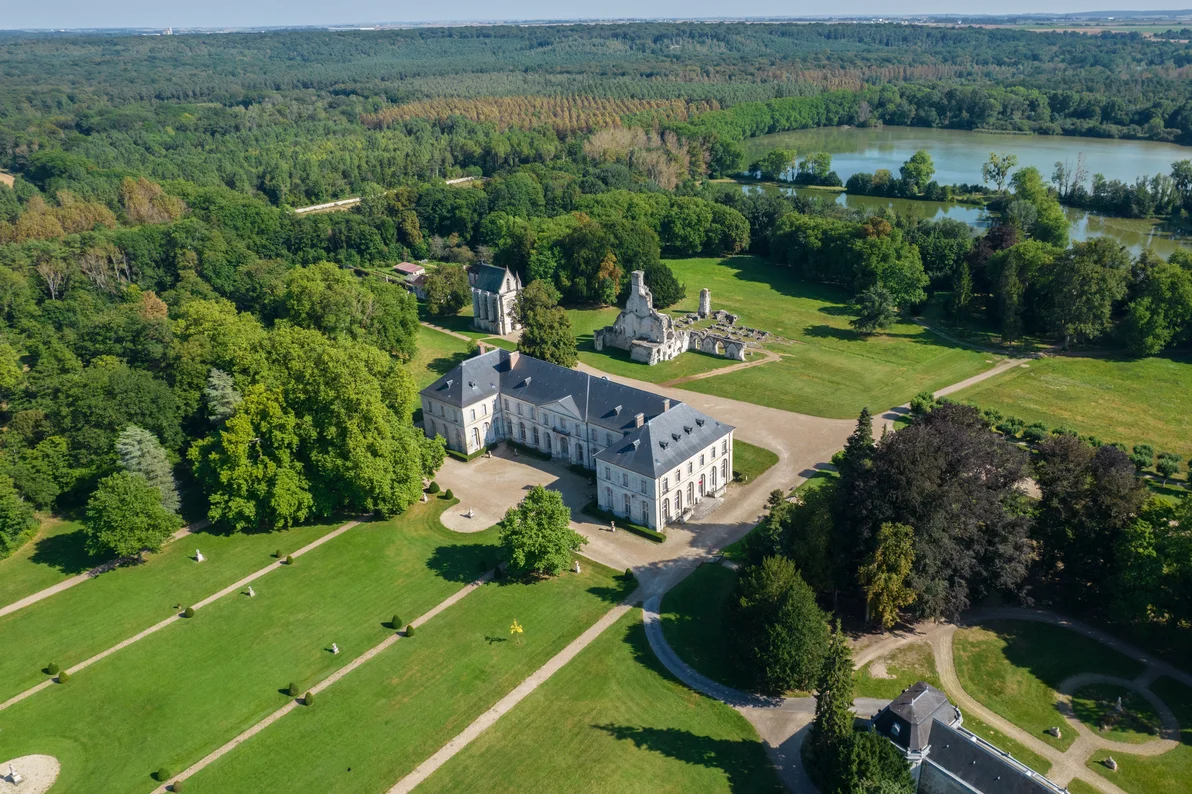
pixel 488 278
pixel 907 720
pixel 665 441
pixel 595 400
pixel 979 765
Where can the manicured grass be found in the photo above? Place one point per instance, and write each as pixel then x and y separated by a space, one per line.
pixel 613 720
pixel 1014 668
pixel 399 708
pixel 1168 773
pixel 826 368
pixel 903 667
pixel 460 323
pixel 73 625
pixel 501 342
pixel 693 622
pixel 1137 722
pixel 55 553
pixel 1132 401
pixel 1004 742
pixel 179 693
pixel 437 354
pixel 1078 786
pixel 750 461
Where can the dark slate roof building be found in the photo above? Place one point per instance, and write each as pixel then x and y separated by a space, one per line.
pixel 946 758
pixel 658 457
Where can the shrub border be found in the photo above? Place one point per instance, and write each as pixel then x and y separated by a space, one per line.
pixel 654 536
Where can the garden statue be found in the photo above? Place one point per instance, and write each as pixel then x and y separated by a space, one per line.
pixel 199 556
pixel 14 777
pixel 334 649
pixel 577 566
pixel 251 592
pixel 1111 764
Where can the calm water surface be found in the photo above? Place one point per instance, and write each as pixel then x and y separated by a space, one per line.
pixel 958 156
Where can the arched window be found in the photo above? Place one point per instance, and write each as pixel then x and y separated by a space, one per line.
pixel 523 431
pixel 476 436
pixel 690 493
pixel 628 506
pixel 724 471
pixel 608 498
pixel 473 415
pixel 713 478
pixel 666 510
pixel 579 454
pixel 701 485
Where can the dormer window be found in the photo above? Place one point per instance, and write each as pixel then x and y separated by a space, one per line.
pixel 895 729
pixel 616 410
pixel 699 422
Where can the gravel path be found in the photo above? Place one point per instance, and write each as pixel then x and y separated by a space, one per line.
pixel 326 682
pixel 232 588
pixel 91 574
pixel 38 773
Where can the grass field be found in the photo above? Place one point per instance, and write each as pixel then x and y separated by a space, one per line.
pixel 399 708
pixel 613 720
pixel 751 461
pixel 693 622
pixel 1091 703
pixel 1161 774
pixel 55 553
pixel 75 624
pixel 437 353
pixel 903 667
pixel 177 694
pixel 1132 401
pixel 826 368
pixel 1014 668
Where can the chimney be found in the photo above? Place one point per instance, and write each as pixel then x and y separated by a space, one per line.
pixel 665 404
pixel 513 357
pixel 639 420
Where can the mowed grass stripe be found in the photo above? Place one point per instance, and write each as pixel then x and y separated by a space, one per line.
pixel 80 622
pixel 184 691
pixel 1132 401
pixel 613 720
pixel 385 719
pixel 52 556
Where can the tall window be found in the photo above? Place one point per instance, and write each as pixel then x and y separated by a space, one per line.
pixel 724 470
pixel 507 406
pixel 484 409
pixel 608 498
pixel 624 480
pixel 666 484
pixel 607 476
pixel 724 447
pixel 701 461
pixel 476 436
pixel 690 493
pixel 472 418
pixel 536 442
pixel 523 431
pixel 713 450
pixel 645 514
pixel 689 468
pixel 641 486
pixel 519 413
pixel 628 505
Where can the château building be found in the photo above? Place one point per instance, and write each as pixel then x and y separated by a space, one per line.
pixel 494 294
pixel 655 458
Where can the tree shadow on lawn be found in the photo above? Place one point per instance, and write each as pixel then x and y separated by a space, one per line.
pixel 444 364
pixel 463 563
pixel 1053 654
pixel 743 762
pixel 66 553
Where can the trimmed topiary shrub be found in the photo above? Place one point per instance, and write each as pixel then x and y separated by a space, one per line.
pixel 63 677
pixel 189 612
pixel 448 495
pixel 289 560
pixel 433 487
pixel 177 786
pixel 308 699
pixel 52 669
pixel 161 775
pixel 277 554
pixel 410 630
pixel 628 573
pixel 395 623
pixel 292 690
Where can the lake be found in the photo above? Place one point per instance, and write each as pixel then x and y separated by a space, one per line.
pixel 958 156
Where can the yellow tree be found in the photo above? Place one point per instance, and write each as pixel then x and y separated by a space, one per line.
pixel 517 631
pixel 884 575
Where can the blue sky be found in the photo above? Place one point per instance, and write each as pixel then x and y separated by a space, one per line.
pixel 212 13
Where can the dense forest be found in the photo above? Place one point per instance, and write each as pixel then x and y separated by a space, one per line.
pixel 176 342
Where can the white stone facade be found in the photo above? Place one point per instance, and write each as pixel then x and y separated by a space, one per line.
pixel 494 296
pixel 654 459
pixel 649 335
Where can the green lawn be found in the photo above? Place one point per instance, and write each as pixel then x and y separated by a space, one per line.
pixel 1078 786
pixel 399 708
pixel 55 553
pixel 1014 668
pixel 751 461
pixel 902 668
pixel 826 368
pixel 1132 401
pixel 437 353
pixel 75 624
pixel 1137 722
pixel 460 323
pixel 613 720
pixel 693 622
pixel 1004 742
pixel 180 693
pixel 1161 774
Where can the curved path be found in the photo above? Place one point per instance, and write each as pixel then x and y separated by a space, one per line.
pixel 765 356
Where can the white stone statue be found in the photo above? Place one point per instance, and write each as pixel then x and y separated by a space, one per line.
pixel 251 592
pixel 577 566
pixel 613 526
pixel 424 498
pixel 14 777
pixel 1111 764
pixel 199 556
pixel 334 648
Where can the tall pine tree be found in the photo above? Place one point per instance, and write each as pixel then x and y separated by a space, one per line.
pixel 141 453
pixel 831 741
